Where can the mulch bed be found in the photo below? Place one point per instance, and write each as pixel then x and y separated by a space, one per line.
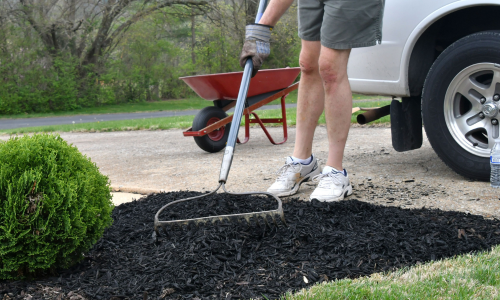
pixel 323 241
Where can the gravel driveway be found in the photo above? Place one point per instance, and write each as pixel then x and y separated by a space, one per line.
pixel 149 161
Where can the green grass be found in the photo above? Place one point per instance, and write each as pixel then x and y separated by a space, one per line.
pixel 292 98
pixel 474 276
pixel 181 104
pixel 181 122
pixel 138 124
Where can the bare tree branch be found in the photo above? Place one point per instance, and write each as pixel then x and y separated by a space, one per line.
pixel 138 16
pixel 90 30
pixel 80 22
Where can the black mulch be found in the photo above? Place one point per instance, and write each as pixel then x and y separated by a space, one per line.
pixel 322 242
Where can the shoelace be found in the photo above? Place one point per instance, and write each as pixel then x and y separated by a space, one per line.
pixel 287 169
pixel 325 180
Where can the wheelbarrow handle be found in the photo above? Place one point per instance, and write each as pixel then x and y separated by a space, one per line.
pixel 227 159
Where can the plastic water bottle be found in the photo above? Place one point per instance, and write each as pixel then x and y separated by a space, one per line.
pixel 495 165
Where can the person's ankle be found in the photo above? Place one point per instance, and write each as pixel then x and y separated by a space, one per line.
pixel 328 169
pixel 302 161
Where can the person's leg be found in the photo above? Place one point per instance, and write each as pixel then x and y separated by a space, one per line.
pixel 310 105
pixel 334 182
pixel 338 102
pixel 310 100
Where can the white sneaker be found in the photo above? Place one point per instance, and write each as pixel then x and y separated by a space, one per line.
pixel 333 185
pixel 292 175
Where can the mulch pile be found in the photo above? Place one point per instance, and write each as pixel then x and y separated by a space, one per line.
pixel 323 241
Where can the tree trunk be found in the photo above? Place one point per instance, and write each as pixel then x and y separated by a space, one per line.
pixel 72 11
pixel 222 53
pixel 251 11
pixel 193 39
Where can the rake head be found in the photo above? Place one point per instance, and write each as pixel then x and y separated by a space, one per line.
pixel 272 214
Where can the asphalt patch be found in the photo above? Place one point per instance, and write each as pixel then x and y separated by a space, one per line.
pixel 321 242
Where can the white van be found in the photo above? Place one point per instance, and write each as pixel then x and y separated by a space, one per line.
pixel 441 58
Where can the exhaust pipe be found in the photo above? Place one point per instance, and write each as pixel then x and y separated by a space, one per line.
pixel 373 114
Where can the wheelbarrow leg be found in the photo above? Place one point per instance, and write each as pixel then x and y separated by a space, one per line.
pixel 276 120
pixel 283 114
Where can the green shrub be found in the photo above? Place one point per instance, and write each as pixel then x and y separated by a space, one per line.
pixel 54 205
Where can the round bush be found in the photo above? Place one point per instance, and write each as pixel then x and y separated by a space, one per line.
pixel 54 205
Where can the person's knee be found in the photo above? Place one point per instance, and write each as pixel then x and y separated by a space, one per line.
pixel 308 59
pixel 308 66
pixel 330 72
pixel 333 65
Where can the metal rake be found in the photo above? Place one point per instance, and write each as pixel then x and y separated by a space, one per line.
pixel 226 163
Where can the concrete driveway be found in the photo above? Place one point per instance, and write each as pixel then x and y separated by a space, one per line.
pixel 154 161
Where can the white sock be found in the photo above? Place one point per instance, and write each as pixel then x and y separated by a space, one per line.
pixel 302 161
pixel 328 169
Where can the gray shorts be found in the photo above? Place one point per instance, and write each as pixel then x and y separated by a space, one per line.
pixel 341 24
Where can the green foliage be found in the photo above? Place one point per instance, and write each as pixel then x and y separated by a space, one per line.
pixel 31 87
pixel 144 72
pixel 144 66
pixel 31 81
pixel 54 205
pixel 285 43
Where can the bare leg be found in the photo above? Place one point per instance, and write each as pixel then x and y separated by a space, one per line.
pixel 324 86
pixel 310 100
pixel 338 102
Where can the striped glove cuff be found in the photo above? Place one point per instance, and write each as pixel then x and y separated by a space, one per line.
pixel 258 32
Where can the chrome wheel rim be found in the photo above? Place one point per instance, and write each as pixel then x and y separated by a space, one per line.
pixel 471 108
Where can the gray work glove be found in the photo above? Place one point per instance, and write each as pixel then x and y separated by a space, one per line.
pixel 256 45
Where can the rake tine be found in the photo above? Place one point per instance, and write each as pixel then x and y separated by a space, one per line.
pixel 274 221
pixel 282 216
pixel 265 221
pixel 222 218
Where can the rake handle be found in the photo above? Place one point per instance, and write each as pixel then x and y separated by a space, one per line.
pixel 227 159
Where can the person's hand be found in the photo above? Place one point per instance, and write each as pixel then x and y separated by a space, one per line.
pixel 256 45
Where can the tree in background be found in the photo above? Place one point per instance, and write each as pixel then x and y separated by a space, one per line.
pixel 88 29
pixel 65 54
pixel 285 42
pixel 72 41
pixel 148 61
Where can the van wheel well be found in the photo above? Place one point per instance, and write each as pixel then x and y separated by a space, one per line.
pixel 442 34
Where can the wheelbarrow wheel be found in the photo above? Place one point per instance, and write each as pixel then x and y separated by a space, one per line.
pixel 215 140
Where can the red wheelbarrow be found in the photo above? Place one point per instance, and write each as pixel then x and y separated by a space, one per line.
pixel 211 125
